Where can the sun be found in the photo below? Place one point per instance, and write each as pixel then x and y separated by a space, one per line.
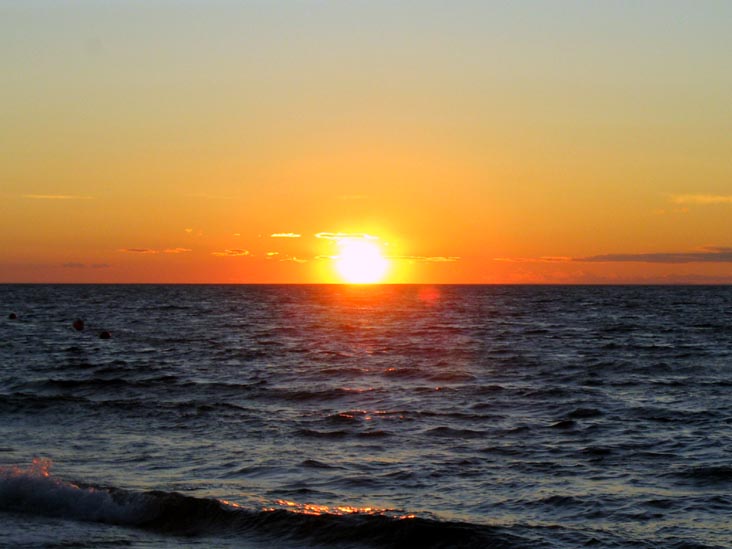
pixel 360 262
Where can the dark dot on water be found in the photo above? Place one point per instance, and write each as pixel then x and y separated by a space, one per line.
pixel 12 316
pixel 105 335
pixel 78 325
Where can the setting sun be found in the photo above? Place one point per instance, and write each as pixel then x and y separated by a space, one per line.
pixel 360 262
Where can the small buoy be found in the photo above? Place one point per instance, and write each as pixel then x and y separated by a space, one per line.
pixel 105 335
pixel 78 325
pixel 12 316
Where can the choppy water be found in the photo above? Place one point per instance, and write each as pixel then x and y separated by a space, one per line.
pixel 387 416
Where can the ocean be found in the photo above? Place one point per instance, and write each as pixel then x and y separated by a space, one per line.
pixel 366 416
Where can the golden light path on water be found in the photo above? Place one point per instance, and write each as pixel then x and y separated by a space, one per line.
pixel 314 509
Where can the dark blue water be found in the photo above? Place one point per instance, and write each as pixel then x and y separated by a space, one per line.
pixel 383 416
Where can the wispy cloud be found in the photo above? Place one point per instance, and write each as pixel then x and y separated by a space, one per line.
pixel 236 252
pixel 277 256
pixel 543 259
pixel 701 199
pixel 154 251
pixel 343 236
pixel 427 259
pixel 57 197
pixel 176 250
pixel 76 265
pixel 709 254
pixel 138 251
pixel 285 235
pixel 696 279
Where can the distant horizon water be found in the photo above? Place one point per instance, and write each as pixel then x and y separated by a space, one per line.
pixel 376 284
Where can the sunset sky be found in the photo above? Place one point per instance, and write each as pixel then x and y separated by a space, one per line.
pixel 471 141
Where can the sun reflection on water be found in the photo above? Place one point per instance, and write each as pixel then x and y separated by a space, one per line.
pixel 339 510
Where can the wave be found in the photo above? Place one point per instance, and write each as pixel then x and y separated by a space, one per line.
pixel 721 474
pixel 322 394
pixel 443 431
pixel 27 402
pixel 34 490
pixel 585 413
pixel 103 383
pixel 17 402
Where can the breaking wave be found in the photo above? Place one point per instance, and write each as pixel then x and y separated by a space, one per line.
pixel 34 490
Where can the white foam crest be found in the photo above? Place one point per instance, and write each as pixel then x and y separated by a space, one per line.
pixel 34 490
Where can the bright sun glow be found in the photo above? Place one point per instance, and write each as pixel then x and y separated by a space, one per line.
pixel 360 262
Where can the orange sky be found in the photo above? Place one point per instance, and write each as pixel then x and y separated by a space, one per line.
pixel 479 142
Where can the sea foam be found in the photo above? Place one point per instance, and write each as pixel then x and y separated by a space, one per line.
pixel 34 490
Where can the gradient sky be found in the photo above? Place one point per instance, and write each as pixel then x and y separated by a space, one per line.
pixel 481 141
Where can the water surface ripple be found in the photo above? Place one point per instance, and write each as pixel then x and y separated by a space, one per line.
pixel 380 416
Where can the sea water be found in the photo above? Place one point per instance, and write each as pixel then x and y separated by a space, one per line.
pixel 366 416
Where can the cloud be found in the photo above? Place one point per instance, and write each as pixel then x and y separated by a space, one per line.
pixel 154 251
pixel 138 251
pixel 441 259
pixel 284 257
pixel 236 252
pixel 285 235
pixel 76 265
pixel 710 254
pixel 342 236
pixel 696 279
pixel 543 259
pixel 176 250
pixel 427 259
pixel 701 199
pixel 351 197
pixel 57 197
